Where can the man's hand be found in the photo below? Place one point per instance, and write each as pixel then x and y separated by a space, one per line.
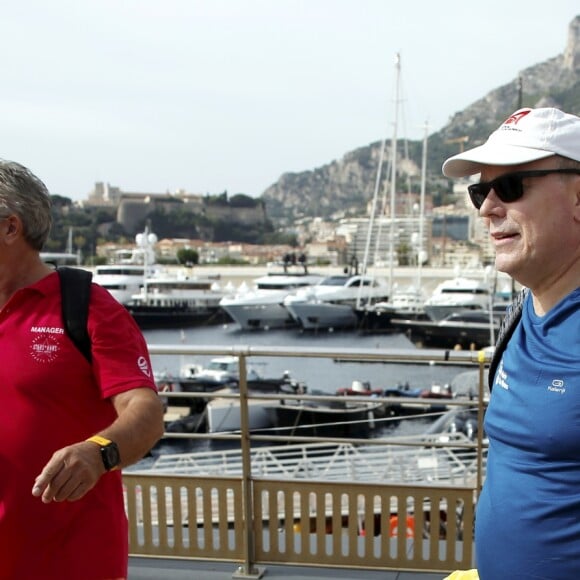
pixel 70 473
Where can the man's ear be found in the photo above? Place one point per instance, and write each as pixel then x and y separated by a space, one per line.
pixel 12 228
pixel 577 203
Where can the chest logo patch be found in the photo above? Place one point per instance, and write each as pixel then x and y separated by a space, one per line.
pixel 44 348
pixel 557 386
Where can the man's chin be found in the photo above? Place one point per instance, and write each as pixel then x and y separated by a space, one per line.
pixel 506 264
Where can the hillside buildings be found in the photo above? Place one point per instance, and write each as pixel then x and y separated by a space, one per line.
pixel 450 236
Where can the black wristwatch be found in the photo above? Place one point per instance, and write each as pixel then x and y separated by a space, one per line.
pixel 109 452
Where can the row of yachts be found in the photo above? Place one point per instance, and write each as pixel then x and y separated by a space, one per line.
pixel 293 297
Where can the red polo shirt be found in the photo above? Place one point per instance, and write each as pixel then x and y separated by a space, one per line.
pixel 50 397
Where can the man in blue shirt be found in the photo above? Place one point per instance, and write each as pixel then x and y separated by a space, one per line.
pixel 528 515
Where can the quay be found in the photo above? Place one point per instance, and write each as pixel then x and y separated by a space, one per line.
pixel 409 517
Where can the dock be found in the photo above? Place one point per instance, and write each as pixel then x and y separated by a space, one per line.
pixel 416 459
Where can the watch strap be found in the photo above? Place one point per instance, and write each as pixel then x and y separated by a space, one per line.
pixel 102 441
pixel 107 448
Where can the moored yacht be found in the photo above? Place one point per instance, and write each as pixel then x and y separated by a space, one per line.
pixel 405 303
pixel 169 300
pixel 262 307
pixel 458 293
pixel 125 275
pixel 121 280
pixel 332 302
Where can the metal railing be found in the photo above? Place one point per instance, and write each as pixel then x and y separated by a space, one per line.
pixel 253 516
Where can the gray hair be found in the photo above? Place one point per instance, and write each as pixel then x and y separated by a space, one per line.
pixel 24 195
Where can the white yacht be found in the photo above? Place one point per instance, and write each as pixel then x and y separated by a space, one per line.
pixel 262 306
pixel 222 370
pixel 331 303
pixel 126 273
pixel 458 293
pixel 408 301
pixel 176 299
pixel 121 280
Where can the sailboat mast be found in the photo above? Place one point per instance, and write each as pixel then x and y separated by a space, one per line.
pixel 371 223
pixel 394 172
pixel 373 209
pixel 422 207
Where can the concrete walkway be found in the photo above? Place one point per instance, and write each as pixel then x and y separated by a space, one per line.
pixel 161 569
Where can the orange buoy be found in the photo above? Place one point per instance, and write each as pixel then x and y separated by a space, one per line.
pixel 394 527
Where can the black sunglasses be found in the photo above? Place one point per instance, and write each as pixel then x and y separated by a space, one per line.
pixel 508 187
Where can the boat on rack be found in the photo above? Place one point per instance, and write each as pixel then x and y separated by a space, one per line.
pixel 223 411
pixel 220 410
pixel 331 303
pixel 177 299
pixel 465 385
pixel 327 418
pixel 417 401
pixel 262 306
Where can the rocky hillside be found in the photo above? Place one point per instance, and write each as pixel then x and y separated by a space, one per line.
pixel 344 187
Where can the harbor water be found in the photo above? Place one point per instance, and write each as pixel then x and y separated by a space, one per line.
pixel 317 374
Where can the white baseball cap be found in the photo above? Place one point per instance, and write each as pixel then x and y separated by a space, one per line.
pixel 527 135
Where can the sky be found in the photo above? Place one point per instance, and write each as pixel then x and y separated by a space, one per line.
pixel 213 95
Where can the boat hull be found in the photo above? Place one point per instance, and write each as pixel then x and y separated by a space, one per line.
pixel 223 414
pixel 259 316
pixel 324 420
pixel 150 317
pixel 443 334
pixel 438 312
pixel 322 315
pixel 380 321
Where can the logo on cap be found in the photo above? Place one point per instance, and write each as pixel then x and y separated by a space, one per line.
pixel 517 117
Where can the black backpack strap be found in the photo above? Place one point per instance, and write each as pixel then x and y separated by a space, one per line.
pixel 75 286
pixel 506 329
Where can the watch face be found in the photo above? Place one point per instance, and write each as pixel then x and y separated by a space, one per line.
pixel 110 455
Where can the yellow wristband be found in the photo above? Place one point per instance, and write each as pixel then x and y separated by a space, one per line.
pixel 99 440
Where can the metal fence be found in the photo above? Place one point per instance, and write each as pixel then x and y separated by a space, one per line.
pixel 404 503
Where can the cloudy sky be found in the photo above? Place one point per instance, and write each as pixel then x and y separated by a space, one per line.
pixel 214 95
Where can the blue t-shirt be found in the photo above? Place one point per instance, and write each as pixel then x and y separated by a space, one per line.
pixel 528 515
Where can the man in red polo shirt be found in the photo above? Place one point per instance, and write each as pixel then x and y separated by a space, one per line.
pixel 67 425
